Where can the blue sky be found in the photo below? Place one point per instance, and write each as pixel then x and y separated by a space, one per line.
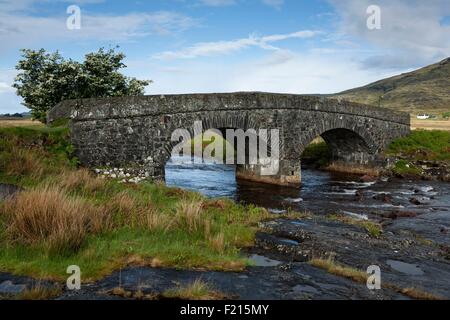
pixel 185 46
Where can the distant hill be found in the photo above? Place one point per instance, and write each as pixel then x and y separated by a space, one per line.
pixel 16 115
pixel 424 90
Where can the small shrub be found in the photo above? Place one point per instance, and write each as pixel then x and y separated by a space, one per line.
pixel 403 167
pixel 217 242
pixel 40 292
pixel 340 270
pixel 197 290
pixel 189 215
pixel 446 115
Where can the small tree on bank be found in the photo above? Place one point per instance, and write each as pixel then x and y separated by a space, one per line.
pixel 45 79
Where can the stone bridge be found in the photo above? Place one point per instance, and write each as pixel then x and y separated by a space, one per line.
pixel 135 132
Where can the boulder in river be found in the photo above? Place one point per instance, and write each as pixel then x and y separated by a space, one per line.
pixel 420 200
pixel 386 198
pixel 368 178
pixel 400 214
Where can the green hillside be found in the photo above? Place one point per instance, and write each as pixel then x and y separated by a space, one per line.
pixel 424 90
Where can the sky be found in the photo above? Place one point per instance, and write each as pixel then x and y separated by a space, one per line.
pixel 201 46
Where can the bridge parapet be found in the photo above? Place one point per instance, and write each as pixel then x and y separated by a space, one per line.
pixel 153 105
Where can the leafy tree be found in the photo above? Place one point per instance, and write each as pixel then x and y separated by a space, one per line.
pixel 45 79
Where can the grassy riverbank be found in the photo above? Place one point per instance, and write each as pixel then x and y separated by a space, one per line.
pixel 67 216
pixel 421 145
pixel 422 154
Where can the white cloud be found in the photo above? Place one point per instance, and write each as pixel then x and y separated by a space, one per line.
pixel 5 87
pixel 19 30
pixel 10 102
pixel 411 30
pixel 206 49
pixel 280 71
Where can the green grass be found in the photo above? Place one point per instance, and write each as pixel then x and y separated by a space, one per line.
pixel 422 145
pixel 374 229
pixel 318 154
pixel 405 168
pixel 146 224
pixel 197 290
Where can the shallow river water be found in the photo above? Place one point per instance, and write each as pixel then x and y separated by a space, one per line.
pixel 321 192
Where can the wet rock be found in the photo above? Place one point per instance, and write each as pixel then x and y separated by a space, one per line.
pixel 405 268
pixel 297 282
pixel 368 178
pixel 386 198
pixel 420 200
pixel 352 245
pixel 9 288
pixel 359 195
pixel 399 214
pixel 8 190
pixel 12 285
pixel 261 261
pixel 282 246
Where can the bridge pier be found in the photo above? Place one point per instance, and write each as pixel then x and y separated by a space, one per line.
pixel 288 175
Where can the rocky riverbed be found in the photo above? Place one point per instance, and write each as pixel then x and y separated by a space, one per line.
pixel 406 253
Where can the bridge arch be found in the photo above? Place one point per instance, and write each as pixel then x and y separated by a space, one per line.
pixel 346 145
pixel 209 121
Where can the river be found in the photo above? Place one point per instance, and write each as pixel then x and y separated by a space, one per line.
pixel 321 192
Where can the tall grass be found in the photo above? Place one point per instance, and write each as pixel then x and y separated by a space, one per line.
pixel 80 180
pixel 190 216
pixel 21 162
pixel 197 290
pixel 50 217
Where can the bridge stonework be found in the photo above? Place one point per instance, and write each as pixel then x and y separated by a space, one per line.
pixel 135 132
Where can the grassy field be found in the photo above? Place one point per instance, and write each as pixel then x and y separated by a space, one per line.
pixel 430 124
pixel 8 123
pixel 66 215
